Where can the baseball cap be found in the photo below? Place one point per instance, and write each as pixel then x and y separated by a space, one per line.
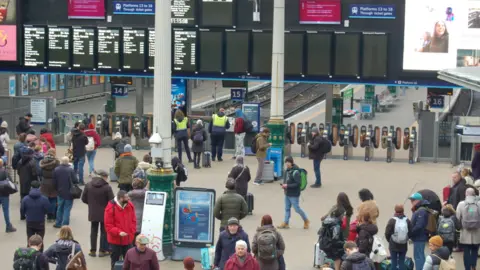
pixel 416 197
pixel 101 173
pixel 142 239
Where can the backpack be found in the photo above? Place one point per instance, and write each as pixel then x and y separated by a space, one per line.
pixel 446 229
pixel 139 173
pixel 182 173
pixel 247 125
pixel 26 259
pixel 303 179
pixel 432 221
pixel 198 136
pixel 363 265
pixel 253 145
pixel 267 245
pixel 446 265
pixel 329 235
pixel 90 145
pixel 327 146
pixel 400 235
pixel 471 219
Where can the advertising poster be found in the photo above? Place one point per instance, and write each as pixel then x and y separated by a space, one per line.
pixel 94 80
pixel 320 12
pixel 252 114
pixel 44 83
pixel 53 82
pixel 24 85
pixel 87 80
pixel 86 9
pixel 102 79
pixel 12 86
pixel 61 82
pixel 194 219
pixel 33 82
pixel 179 93
pixel 38 108
pixel 8 30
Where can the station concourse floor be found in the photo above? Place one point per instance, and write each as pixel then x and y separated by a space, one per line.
pixel 390 183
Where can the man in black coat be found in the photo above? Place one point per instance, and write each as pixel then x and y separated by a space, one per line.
pixel 457 192
pixel 27 172
pixel 63 177
pixel 316 153
pixel 79 141
pixel 24 125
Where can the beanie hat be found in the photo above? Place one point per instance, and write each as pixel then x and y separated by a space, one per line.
pixel 4 124
pixel 436 241
pixel 233 221
pixel 127 148
pixel 188 263
pixel 91 126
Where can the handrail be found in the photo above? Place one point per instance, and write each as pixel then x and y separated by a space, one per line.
pixel 471 102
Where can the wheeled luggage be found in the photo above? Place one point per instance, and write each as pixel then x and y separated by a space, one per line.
pixel 207 159
pixel 118 265
pixel 250 203
pixel 113 176
pixel 268 174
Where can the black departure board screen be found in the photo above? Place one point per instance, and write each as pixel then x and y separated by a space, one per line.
pixel 261 53
pixel 237 51
pixel 134 49
pixel 151 49
pixel 83 55
pixel 347 54
pixel 217 13
pixel 319 51
pixel 34 51
pixel 375 52
pixel 59 47
pixel 184 50
pixel 211 51
pixel 183 12
pixel 293 53
pixel 108 48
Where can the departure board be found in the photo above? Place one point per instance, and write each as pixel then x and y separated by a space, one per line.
pixel 211 51
pixel 59 47
pixel 108 48
pixel 134 49
pixel 319 51
pixel 294 53
pixel 34 51
pixel 261 53
pixel 83 55
pixel 374 54
pixel 237 51
pixel 183 12
pixel 184 50
pixel 217 13
pixel 347 54
pixel 151 48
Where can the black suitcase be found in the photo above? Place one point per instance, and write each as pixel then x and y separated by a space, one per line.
pixel 206 159
pixel 118 265
pixel 250 201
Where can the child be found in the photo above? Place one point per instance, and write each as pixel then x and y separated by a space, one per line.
pixel 143 166
pixel 44 144
pixel 448 224
pixel 26 257
pixel 397 236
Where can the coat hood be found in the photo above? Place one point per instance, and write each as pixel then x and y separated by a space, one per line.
pixel 443 253
pixel 221 114
pixel 98 182
pixel 64 246
pixel 266 227
pixel 34 193
pixel 180 118
pixel 248 259
pixel 198 127
pixel 175 162
pixel 356 257
pixel 49 163
pixel 90 132
pixel 372 229
pixel 76 132
pixel 144 165
pixel 423 203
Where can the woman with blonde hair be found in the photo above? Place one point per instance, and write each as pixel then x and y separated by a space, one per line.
pixel 467 175
pixel 61 250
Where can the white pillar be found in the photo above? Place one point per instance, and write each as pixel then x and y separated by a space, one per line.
pixel 278 44
pixel 163 78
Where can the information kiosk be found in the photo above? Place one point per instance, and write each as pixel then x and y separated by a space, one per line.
pixel 152 222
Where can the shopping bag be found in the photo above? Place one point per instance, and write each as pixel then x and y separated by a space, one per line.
pixel 379 250
pixel 207 257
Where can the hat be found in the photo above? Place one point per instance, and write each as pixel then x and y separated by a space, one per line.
pixel 127 148
pixel 142 239
pixel 315 130
pixel 188 263
pixel 4 124
pixel 200 122
pixel 28 115
pixel 436 241
pixel 233 221
pixel 230 184
pixel 91 126
pixel 416 197
pixel 118 135
pixel 289 159
pixel 101 173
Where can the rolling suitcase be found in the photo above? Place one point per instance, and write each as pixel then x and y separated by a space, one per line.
pixel 113 176
pixel 250 203
pixel 319 257
pixel 118 265
pixel 206 159
pixel 268 174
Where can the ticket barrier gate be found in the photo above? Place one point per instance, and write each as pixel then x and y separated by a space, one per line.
pixel 105 131
pixel 412 147
pixel 124 126
pixel 347 144
pixel 98 124
pixel 66 118
pixel 303 142
pixel 390 148
pixel 77 118
pixel 369 146
pixel 135 132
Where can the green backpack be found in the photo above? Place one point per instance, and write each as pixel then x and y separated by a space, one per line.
pixel 303 178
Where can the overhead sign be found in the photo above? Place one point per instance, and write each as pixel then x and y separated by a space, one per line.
pixel 251 111
pixel 38 109
pixel 439 91
pixel 348 94
pixel 364 11
pixel 86 9
pixel 437 102
pixel 138 8
pixel 237 94
pixel 119 90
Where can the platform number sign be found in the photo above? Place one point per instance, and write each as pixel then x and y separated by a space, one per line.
pixel 119 91
pixel 437 102
pixel 237 94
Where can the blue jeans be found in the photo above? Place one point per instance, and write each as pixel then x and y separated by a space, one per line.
pixel 398 260
pixel 91 159
pixel 63 212
pixel 470 254
pixel 5 201
pixel 419 254
pixel 295 202
pixel 316 169
pixel 53 205
pixel 78 163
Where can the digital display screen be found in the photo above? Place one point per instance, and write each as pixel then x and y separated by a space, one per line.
pixel 319 54
pixel 151 49
pixel 108 48
pixel 211 51
pixel 184 50
pixel 183 12
pixel 293 53
pixel 375 55
pixel 320 11
pixel 134 49
pixel 155 198
pixel 34 52
pixel 83 48
pixel 217 13
pixel 59 47
pixel 237 51
pixel 262 53
pixel 347 54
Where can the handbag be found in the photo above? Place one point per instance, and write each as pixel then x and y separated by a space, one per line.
pixel 75 261
pixel 75 190
pixel 7 185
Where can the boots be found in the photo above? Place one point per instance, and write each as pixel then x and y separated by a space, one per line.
pixel 306 224
pixel 283 226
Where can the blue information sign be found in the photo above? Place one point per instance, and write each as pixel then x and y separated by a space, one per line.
pixel 119 90
pixel 252 114
pixel 139 8
pixel 236 94
pixel 365 11
pixel 437 102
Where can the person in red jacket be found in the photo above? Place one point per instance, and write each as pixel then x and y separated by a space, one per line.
pixel 120 225
pixel 241 260
pixel 91 133
pixel 44 133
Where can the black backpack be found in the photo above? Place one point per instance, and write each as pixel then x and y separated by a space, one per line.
pixel 25 259
pixel 247 125
pixel 253 145
pixel 329 235
pixel 326 146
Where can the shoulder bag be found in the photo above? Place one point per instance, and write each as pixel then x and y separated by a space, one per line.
pixel 75 190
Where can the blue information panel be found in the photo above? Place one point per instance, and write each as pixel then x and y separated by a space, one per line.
pixel 237 94
pixel 119 90
pixel 179 94
pixel 139 8
pixel 364 11
pixel 437 102
pixel 252 114
pixel 194 221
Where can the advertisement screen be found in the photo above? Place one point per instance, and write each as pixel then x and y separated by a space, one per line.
pixel 8 30
pixel 262 53
pixel 83 48
pixel 320 12
pixel 375 55
pixel 347 54
pixel 217 13
pixel 237 52
pixel 211 51
pixel 179 94
pixel 319 54
pixel 86 9
pixel 294 53
pixel 134 49
pixel 194 221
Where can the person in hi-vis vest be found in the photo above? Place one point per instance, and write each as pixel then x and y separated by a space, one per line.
pixel 180 127
pixel 217 130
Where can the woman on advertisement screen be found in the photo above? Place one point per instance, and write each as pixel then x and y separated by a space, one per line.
pixel 438 42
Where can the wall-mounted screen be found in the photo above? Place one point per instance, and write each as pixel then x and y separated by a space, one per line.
pixel 59 47
pixel 294 53
pixel 183 12
pixel 83 55
pixel 237 51
pixel 134 49
pixel 320 11
pixel 319 54
pixel 211 52
pixel 217 13
pixel 347 54
pixel 184 50
pixel 108 48
pixel 34 46
pixel 261 52
pixel 151 48
pixel 374 53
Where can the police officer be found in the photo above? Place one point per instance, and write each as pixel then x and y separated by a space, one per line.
pixel 180 126
pixel 217 130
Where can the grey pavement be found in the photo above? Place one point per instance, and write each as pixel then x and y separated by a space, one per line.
pixel 390 183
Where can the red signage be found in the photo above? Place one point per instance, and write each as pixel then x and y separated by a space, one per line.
pixel 320 12
pixel 86 9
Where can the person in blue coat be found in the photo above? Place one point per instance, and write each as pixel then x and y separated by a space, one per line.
pixel 35 208
pixel 225 246
pixel 419 233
